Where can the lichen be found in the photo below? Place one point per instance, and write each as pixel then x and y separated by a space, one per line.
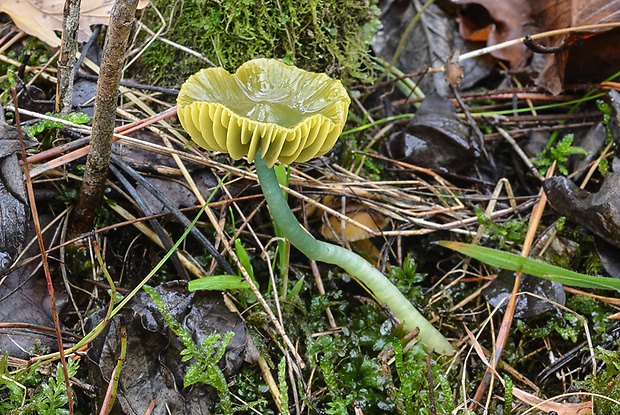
pixel 331 36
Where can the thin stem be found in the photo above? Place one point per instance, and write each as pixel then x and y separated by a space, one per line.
pixel 374 281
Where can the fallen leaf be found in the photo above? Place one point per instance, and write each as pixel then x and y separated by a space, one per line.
pixel 14 212
pixel 40 18
pixel 583 56
pixel 608 254
pixel 25 309
pixel 511 19
pixel 527 305
pixel 586 56
pixel 154 368
pixel 352 233
pixel 435 138
pixel 598 212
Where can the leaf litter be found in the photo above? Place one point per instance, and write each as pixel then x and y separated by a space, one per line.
pixel 418 201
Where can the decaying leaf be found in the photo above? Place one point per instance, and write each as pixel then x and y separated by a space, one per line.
pixel 40 18
pixel 511 19
pixel 590 55
pixel 14 212
pixel 335 229
pixel 581 56
pixel 332 228
pixel 25 307
pixel 153 369
pixel 435 138
pixel 527 306
pixel 421 46
pixel 599 212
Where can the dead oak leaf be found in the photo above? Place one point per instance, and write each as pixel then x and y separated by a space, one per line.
pixel 41 18
pixel 586 56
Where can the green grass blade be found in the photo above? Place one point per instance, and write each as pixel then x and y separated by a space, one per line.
pixel 218 282
pixel 514 262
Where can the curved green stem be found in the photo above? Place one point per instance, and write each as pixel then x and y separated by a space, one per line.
pixel 384 291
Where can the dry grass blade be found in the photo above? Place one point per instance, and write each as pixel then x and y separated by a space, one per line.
pixel 46 269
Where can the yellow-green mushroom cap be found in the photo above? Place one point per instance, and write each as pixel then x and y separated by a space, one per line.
pixel 290 114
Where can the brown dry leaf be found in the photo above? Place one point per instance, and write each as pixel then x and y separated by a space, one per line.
pixel 511 20
pixel 331 227
pixel 588 58
pixel 40 18
pixel 352 233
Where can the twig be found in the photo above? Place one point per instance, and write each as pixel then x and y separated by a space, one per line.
pixel 93 185
pixel 67 59
pixel 503 45
pixel 81 152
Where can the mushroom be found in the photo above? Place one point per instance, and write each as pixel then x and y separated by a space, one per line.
pixel 268 111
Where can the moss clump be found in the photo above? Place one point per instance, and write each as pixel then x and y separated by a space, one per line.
pixel 330 36
pixel 606 382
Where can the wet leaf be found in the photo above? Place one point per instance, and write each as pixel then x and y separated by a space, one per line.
pixel 435 138
pixel 154 368
pixel 609 257
pixel 527 306
pixel 24 300
pixel 14 212
pixel 598 212
pixel 432 37
pixel 589 55
pixel 331 228
pixel 581 56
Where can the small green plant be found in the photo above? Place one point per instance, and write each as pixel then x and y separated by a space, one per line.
pixel 606 382
pixel 53 397
pixel 407 279
pixel 412 395
pixel 511 232
pixel 39 127
pixel 353 368
pixel 608 113
pixel 507 395
pixel 558 154
pixel 204 368
pixel 282 386
pixel 27 392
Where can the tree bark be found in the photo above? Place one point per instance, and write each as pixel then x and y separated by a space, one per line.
pixel 93 185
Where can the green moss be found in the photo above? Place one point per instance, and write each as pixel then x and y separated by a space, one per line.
pixel 606 382
pixel 331 36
